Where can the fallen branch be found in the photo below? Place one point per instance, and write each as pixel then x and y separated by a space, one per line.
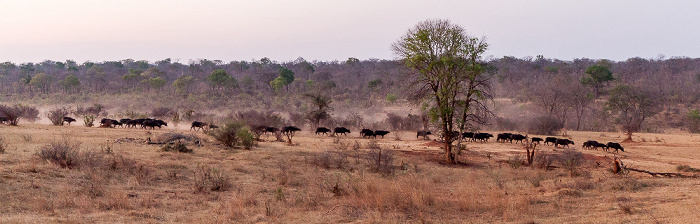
pixel 655 174
pixel 619 167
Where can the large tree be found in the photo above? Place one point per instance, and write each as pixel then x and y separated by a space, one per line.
pixel 632 105
pixel 444 58
pixel 598 75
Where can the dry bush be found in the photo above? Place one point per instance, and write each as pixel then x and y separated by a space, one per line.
pixel 571 160
pixel 95 110
pixel 381 161
pixel 686 168
pixel 331 160
pixel 3 145
pixel 373 144
pixel 210 179
pixel 515 161
pixel 545 125
pixel 14 113
pixel 408 123
pixel 61 153
pixel 56 115
pixel 629 184
pixel 176 147
pixel 175 136
pixel 544 160
pixel 89 120
pixel 161 112
pixel 253 118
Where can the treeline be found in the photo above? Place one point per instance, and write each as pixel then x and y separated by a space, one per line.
pixel 530 92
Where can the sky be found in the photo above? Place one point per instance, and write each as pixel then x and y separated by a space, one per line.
pixel 327 30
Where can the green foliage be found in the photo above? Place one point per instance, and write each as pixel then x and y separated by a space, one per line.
pixel 89 120
pixel 693 120
pixel 183 84
pixel 41 81
pixel 287 75
pixel 278 83
pixel 446 62
pixel 70 83
pixel 391 98
pixel 157 82
pixel 374 84
pixel 233 134
pixel 598 75
pixel 220 79
pixel 246 137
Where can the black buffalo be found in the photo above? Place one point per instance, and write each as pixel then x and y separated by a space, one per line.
pixel 536 140
pixel 503 137
pixel 340 130
pixel 322 130
pixel 564 142
pixel 381 133
pixel 597 145
pixel 423 133
pixel 548 140
pixel 517 138
pixel 467 135
pixel 68 119
pixel 196 125
pixel 290 130
pixel 483 137
pixel 615 145
pixel 590 144
pixel 367 133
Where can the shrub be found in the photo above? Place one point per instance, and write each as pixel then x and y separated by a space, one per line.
pixel 212 179
pixel 381 160
pixel 230 135
pixel 161 112
pixel 545 125
pixel 686 168
pixel 14 113
pixel 571 160
pixel 391 98
pixel 61 153
pixel 56 115
pixel 3 145
pixel 89 120
pixel 176 147
pixel 246 137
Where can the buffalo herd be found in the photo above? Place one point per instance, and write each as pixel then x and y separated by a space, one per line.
pixel 149 123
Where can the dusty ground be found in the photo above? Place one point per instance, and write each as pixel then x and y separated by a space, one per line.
pixel 328 180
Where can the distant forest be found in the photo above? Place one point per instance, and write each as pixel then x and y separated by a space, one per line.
pixel 576 94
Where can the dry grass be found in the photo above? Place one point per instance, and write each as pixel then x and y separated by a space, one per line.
pixel 333 180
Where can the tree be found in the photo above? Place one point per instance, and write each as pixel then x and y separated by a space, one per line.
pixel 156 83
pixel 598 75
pixel 42 82
pixel 183 84
pixel 285 78
pixel 322 105
pixel 443 58
pixel 70 83
pixel 631 105
pixel 219 79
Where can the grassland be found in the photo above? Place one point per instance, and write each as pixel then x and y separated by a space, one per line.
pixel 117 177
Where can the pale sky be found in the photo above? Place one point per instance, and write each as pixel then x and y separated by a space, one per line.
pixel 326 30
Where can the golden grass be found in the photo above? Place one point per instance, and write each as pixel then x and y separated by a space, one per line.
pixel 327 180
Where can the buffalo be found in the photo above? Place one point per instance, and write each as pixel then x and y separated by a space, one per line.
pixel 483 137
pixel 423 133
pixel 517 138
pixel 340 130
pixel 380 133
pixel 290 130
pixel 536 140
pixel 467 135
pixel 503 137
pixel 589 144
pixel 367 133
pixel 553 140
pixel 615 145
pixel 322 130
pixel 195 125
pixel 68 119
pixel 564 142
